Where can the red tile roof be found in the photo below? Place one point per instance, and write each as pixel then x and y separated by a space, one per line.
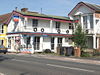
pixel 4 18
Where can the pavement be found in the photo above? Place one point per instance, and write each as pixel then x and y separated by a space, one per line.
pixel 62 58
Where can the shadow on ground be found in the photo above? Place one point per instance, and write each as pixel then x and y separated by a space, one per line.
pixel 2 58
pixel 26 73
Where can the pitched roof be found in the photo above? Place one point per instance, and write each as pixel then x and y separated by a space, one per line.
pixel 94 7
pixel 36 14
pixel 4 18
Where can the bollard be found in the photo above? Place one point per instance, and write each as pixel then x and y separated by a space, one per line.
pixel 77 52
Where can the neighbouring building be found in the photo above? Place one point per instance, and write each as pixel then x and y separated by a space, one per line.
pixel 35 32
pixel 89 17
pixel 3 28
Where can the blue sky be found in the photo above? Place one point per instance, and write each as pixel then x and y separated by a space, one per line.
pixel 51 7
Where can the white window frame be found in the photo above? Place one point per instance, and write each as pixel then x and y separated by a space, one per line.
pixel 85 21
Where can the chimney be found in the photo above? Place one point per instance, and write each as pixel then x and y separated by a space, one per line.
pixel 16 8
pixel 24 9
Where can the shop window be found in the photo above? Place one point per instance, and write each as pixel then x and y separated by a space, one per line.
pixel 66 39
pixel 70 40
pixel 28 41
pixel 9 42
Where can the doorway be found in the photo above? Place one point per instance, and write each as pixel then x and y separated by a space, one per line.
pixel 36 43
pixel 52 43
pixel 59 42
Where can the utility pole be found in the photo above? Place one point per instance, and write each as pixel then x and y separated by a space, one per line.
pixel 41 10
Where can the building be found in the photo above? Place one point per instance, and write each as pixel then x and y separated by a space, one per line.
pixel 3 28
pixel 35 32
pixel 89 17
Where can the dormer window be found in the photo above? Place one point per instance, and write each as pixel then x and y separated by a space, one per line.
pixel 34 22
pixel 57 25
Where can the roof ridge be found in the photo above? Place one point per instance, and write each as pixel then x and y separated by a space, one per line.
pixel 89 3
pixel 43 15
pixel 4 14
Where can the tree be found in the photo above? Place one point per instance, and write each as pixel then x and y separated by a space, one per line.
pixel 79 37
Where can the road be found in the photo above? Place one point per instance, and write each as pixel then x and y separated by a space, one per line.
pixel 30 65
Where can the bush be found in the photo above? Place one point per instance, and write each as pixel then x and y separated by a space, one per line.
pixel 96 54
pixel 85 54
pixel 47 51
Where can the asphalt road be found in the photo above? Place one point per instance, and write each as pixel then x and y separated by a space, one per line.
pixel 30 65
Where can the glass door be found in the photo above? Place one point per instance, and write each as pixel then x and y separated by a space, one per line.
pixel 36 43
pixel 59 42
pixel 52 43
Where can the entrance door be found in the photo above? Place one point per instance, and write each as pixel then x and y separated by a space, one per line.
pixel 59 42
pixel 52 43
pixel 36 43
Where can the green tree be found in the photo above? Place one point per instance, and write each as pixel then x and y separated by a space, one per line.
pixel 79 37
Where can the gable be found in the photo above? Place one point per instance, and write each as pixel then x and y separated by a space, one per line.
pixel 82 7
pixel 83 10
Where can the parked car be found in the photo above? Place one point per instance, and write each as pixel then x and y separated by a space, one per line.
pixel 3 49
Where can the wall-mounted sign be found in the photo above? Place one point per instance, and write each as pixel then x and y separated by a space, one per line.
pixel 16 18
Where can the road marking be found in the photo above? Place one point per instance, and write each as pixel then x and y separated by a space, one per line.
pixel 20 60
pixel 24 61
pixel 73 68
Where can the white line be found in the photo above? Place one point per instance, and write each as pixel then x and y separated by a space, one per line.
pixel 20 60
pixel 70 68
pixel 24 61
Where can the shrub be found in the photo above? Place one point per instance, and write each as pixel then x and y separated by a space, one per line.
pixel 97 54
pixel 47 51
pixel 85 54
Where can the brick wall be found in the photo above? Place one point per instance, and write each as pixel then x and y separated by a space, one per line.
pixel 97 15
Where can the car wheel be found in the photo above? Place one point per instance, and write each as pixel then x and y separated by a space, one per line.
pixel 4 52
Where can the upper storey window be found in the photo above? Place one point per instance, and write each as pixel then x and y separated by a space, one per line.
pixel 58 25
pixel 34 22
pixel 91 21
pixel 85 21
pixel 71 26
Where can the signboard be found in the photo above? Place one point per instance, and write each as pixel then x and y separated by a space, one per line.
pixel 16 18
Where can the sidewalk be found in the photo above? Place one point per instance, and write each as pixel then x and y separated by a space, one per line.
pixel 62 58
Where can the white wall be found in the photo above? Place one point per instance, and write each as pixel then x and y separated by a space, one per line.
pixel 11 25
pixel 46 43
pixel 97 26
pixel 41 24
pixel 63 27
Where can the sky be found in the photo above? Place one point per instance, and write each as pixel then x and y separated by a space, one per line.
pixel 49 7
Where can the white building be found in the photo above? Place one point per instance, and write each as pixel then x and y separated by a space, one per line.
pixel 89 17
pixel 35 32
